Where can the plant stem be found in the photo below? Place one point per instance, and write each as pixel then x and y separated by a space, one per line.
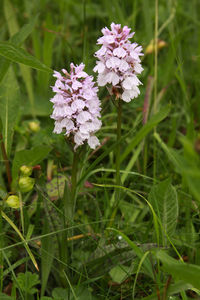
pixel 73 183
pixel 1 254
pixel 155 82
pixel 118 148
pixel 6 161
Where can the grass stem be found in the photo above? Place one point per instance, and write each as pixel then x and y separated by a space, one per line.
pixel 6 161
pixel 74 183
pixel 118 147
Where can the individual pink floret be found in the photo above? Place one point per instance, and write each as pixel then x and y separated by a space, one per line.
pixel 76 108
pixel 119 62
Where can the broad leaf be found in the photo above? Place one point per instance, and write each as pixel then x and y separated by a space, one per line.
pixel 189 273
pixel 27 282
pixel 163 198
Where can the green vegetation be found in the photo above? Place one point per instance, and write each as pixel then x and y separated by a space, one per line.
pixel 145 242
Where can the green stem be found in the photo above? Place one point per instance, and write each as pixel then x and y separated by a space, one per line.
pixel 118 148
pixel 6 161
pixel 1 253
pixel 155 83
pixel 74 183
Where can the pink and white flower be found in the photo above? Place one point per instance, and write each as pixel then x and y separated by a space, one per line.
pixel 119 62
pixel 76 108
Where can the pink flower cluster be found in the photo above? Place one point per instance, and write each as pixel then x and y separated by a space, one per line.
pixel 76 108
pixel 119 62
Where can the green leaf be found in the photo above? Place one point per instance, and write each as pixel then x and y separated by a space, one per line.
pixel 19 55
pixel 5 297
pixel 29 158
pixel 56 187
pixel 47 255
pixel 5 64
pixel 9 107
pixel 188 273
pixel 60 294
pixel 163 198
pixel 173 289
pixel 27 281
pixel 157 118
pixel 19 37
pixel 137 250
pixel 187 166
pixel 119 273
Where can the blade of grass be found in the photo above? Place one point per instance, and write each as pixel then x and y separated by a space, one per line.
pixel 22 238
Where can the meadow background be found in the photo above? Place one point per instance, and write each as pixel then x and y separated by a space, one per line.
pixel 146 245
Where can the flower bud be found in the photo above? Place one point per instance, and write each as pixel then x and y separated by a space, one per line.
pixel 34 126
pixel 13 201
pixel 26 184
pixel 26 171
pixel 151 47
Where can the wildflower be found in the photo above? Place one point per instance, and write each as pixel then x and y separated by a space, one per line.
pixel 76 107
pixel 119 62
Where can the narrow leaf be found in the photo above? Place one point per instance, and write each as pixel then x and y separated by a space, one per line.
pixel 9 107
pixel 157 118
pixel 19 37
pixel 22 238
pixel 19 55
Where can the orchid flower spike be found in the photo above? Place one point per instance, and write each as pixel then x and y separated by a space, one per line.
pixel 76 108
pixel 119 62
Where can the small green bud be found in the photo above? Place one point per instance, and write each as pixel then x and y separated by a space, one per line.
pixel 34 126
pixel 25 170
pixel 13 201
pixel 26 184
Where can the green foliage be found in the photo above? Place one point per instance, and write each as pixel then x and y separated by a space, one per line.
pixel 29 158
pixel 27 282
pixel 188 273
pixel 19 55
pixel 5 297
pixel 112 249
pixel 163 198
pixel 9 107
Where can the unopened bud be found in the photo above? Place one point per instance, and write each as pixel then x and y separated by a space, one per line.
pixel 13 201
pixel 34 126
pixel 26 184
pixel 25 170
pixel 151 47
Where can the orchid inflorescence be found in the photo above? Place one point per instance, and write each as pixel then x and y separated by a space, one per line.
pixel 119 62
pixel 76 108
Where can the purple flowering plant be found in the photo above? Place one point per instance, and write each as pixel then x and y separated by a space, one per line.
pixel 76 108
pixel 76 111
pixel 119 62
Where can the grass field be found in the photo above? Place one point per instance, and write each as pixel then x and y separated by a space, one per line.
pixel 121 221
